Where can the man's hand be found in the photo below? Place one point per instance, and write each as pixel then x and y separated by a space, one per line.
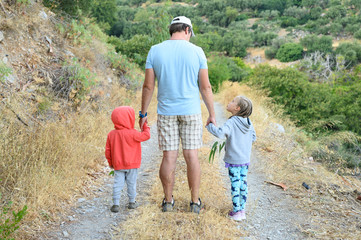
pixel 142 121
pixel 211 119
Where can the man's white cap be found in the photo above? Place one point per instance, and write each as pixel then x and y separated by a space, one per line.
pixel 185 20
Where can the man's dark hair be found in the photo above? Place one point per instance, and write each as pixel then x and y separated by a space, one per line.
pixel 178 27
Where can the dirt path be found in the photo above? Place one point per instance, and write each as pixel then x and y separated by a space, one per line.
pixel 270 211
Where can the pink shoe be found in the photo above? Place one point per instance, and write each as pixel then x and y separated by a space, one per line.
pixel 237 216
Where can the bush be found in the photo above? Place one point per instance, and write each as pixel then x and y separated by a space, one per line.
pixel 218 72
pixel 4 71
pixel 289 52
pixel 358 34
pixel 239 70
pixel 288 22
pixel 351 52
pixel 271 52
pixel 263 38
pixel 317 107
pixel 8 225
pixel 314 43
pixel 291 89
pixel 74 82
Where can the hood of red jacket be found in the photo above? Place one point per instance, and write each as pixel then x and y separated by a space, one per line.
pixel 123 117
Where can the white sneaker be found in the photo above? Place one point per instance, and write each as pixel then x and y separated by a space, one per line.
pixel 237 216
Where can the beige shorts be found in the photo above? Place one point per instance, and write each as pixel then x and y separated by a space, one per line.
pixel 186 127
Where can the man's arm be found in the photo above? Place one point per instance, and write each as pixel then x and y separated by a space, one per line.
pixel 206 91
pixel 147 93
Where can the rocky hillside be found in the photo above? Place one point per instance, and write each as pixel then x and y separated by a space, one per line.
pixel 59 81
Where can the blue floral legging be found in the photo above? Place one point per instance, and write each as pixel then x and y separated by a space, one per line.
pixel 239 189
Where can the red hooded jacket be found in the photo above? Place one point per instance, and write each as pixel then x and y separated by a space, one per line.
pixel 123 148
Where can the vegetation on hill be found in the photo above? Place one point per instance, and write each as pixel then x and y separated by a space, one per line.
pixel 63 67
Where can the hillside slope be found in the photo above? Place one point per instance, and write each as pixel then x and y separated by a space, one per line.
pixel 59 81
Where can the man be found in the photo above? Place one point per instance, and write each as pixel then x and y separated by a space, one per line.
pixel 181 70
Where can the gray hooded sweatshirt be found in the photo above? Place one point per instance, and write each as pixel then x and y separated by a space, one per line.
pixel 240 135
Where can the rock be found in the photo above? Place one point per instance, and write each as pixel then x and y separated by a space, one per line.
pixel 80 200
pixel 10 78
pixel 71 218
pixel 65 234
pixel 280 128
pixel 5 59
pixel 70 54
pixel 43 15
pixel 1 36
pixel 48 39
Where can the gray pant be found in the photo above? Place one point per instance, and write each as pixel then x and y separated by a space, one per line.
pixel 130 177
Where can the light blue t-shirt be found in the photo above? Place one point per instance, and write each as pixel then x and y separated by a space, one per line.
pixel 176 64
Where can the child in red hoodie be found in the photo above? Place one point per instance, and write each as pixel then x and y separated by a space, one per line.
pixel 123 152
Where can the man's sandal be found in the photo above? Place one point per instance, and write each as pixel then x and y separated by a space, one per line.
pixel 196 207
pixel 167 206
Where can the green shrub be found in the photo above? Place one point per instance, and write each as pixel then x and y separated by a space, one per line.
pixel 358 34
pixel 351 52
pixel 271 52
pixel 8 225
pixel 4 71
pixel 289 52
pixel 314 43
pixel 219 71
pixel 239 70
pixel 288 22
pixel 74 82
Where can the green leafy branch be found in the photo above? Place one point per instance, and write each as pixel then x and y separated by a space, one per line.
pixel 214 148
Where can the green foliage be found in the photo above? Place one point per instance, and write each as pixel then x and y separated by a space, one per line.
pixel 78 33
pixel 339 150
pixel 4 71
pixel 218 72
pixel 239 70
pixel 261 38
pixel 357 34
pixel 289 52
pixel 291 89
pixel 314 43
pixel 129 74
pixel 288 22
pixel 317 107
pixel 270 52
pixel 135 48
pixel 351 52
pixel 235 44
pixel 74 82
pixel 105 11
pixel 209 42
pixel 73 8
pixel 23 1
pixel 8 225
pixel 216 146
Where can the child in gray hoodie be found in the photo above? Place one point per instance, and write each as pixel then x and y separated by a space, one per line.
pixel 240 134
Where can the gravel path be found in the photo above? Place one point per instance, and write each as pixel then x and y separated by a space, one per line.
pixel 270 211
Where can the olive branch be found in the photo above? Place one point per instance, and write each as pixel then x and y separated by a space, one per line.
pixel 214 148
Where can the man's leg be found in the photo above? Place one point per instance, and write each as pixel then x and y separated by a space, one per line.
pixel 167 173
pixel 193 172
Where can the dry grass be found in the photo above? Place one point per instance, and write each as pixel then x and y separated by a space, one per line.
pixel 47 164
pixel 260 53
